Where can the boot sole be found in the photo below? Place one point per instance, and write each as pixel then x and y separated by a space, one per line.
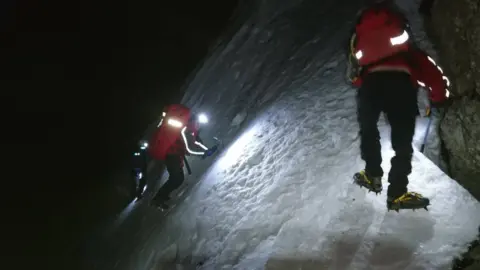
pixel 400 206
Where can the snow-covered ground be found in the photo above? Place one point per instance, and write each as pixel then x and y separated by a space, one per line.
pixel 281 196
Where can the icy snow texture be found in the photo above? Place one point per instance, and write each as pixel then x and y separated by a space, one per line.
pixel 281 196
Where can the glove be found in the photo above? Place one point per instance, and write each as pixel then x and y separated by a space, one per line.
pixel 210 151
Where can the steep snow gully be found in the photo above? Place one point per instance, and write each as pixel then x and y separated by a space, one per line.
pixel 280 196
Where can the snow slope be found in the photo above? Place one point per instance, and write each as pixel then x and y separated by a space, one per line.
pixel 281 195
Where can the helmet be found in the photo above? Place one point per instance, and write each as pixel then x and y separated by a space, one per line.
pixel 199 118
pixel 143 144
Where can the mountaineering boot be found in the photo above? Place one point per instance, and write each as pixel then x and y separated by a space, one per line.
pixel 160 200
pixel 371 183
pixel 409 200
pixel 162 203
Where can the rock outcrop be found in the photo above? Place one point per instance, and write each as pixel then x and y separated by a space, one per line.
pixel 455 28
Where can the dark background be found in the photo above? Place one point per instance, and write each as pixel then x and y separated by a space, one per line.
pixel 81 81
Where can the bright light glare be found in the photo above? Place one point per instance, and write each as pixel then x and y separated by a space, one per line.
pixel 160 123
pixel 400 39
pixel 202 118
pixel 144 146
pixel 175 123
pixel 359 55
pixel 238 149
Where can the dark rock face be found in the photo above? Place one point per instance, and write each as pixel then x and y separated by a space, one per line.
pixel 460 130
pixel 455 26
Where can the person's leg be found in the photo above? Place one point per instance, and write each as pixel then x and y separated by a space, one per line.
pixel 143 180
pixel 174 166
pixel 403 129
pixel 368 113
pixel 402 110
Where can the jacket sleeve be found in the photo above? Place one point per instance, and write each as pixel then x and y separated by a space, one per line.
pixel 192 146
pixel 430 76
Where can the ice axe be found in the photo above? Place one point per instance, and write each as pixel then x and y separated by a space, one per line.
pixel 218 141
pixel 187 165
pixel 429 112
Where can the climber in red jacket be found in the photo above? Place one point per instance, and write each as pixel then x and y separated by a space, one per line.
pixel 175 137
pixel 388 69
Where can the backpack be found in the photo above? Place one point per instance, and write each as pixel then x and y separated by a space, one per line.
pixel 380 33
pixel 175 118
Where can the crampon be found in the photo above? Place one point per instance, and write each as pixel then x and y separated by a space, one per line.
pixel 373 184
pixel 409 200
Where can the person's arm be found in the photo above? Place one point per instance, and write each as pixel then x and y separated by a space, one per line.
pixel 192 146
pixel 432 78
pixel 198 139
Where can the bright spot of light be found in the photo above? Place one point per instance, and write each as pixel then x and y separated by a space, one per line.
pixel 174 123
pixel 202 118
pixel 400 39
pixel 238 149
pixel 160 123
pixel 359 55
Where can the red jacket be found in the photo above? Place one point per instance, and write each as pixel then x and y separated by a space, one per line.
pixel 423 69
pixel 191 142
pixel 176 134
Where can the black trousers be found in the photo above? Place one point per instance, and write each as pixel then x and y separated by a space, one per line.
pixel 394 94
pixel 176 176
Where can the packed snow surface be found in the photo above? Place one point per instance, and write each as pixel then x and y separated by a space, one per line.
pixel 281 196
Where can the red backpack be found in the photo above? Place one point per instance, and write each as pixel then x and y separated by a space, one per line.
pixel 175 118
pixel 380 33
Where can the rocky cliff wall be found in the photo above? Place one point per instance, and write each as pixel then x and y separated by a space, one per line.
pixel 455 28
